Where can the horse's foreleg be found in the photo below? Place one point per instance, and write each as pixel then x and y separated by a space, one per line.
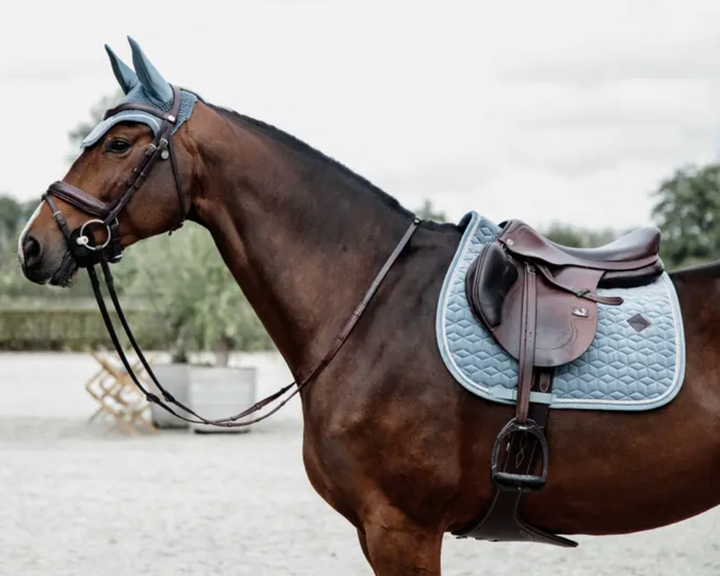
pixel 363 545
pixel 401 549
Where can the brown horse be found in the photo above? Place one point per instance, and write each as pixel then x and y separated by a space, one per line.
pixel 391 441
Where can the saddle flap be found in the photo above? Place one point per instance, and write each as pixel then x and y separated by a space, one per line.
pixel 488 282
pixel 566 324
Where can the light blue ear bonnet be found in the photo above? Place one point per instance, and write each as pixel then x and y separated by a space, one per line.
pixel 145 86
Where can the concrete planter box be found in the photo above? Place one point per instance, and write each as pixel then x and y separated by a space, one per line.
pixel 175 378
pixel 221 392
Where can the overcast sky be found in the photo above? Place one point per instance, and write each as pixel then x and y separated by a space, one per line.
pixel 540 110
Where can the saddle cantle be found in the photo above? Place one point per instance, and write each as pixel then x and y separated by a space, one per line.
pixel 539 301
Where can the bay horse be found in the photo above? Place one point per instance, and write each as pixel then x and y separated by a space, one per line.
pixel 391 441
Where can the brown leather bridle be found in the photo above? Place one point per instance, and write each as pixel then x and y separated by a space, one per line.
pixel 80 242
pixel 87 254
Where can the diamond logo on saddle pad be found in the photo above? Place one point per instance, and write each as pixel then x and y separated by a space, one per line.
pixel 639 322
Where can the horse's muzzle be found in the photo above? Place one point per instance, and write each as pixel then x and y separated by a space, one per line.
pixel 39 263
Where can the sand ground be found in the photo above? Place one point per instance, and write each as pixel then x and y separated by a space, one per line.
pixel 79 500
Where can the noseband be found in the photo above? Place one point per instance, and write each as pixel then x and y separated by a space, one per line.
pixel 80 242
pixel 87 254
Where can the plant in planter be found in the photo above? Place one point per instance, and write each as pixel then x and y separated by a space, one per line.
pixel 194 305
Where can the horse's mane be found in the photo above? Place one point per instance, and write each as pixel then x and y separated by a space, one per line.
pixel 308 151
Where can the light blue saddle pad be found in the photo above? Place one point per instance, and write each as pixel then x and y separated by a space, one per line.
pixel 624 369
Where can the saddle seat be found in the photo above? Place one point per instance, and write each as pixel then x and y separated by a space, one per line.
pixel 629 261
pixel 635 245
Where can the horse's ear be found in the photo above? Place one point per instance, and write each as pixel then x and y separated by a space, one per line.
pixel 150 78
pixel 125 75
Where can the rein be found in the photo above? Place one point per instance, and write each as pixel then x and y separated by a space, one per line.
pixel 87 254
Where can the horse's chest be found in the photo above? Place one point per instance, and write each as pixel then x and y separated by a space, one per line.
pixel 328 469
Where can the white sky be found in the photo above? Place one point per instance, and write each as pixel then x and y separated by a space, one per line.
pixel 541 110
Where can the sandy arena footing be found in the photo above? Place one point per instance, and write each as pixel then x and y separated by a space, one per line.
pixel 77 500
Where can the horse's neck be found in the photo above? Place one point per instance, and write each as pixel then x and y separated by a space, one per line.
pixel 302 238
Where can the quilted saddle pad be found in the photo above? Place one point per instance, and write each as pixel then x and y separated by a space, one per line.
pixel 636 361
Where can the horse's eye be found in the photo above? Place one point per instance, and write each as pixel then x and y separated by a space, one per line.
pixel 117 146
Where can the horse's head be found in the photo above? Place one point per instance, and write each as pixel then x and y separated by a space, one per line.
pixel 125 186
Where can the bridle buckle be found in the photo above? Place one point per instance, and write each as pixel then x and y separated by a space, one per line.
pixel 164 151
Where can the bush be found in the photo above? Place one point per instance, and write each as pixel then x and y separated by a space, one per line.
pixel 191 300
pixel 75 326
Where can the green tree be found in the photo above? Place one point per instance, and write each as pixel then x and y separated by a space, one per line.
pixel 11 212
pixel 428 212
pixel 579 237
pixel 78 134
pixel 13 216
pixel 10 217
pixel 687 210
pixel 192 303
pixel 565 235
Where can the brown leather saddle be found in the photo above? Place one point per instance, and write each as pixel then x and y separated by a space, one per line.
pixel 539 301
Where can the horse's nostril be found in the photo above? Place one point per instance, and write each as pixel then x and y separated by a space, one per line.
pixel 32 252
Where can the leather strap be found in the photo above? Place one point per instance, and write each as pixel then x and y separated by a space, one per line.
pixel 154 151
pixel 59 218
pixel 527 342
pixel 580 293
pixel 161 147
pixel 178 186
pixel 139 173
pixel 78 198
pixel 502 521
pixel 231 422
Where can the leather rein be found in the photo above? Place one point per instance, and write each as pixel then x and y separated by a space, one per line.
pixel 87 254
